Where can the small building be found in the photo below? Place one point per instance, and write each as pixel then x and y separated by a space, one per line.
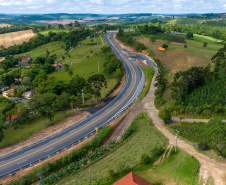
pixel 132 179
pixel 27 94
pixel 2 59
pixel 6 93
pixel 23 60
pixel 58 66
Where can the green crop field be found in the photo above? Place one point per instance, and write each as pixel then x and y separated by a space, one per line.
pixel 53 47
pixel 55 30
pixel 13 136
pixel 145 138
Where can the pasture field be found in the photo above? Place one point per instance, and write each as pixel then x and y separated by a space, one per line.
pixel 86 67
pixel 124 157
pixel 176 57
pixel 16 38
pixel 5 25
pixel 53 47
pixel 55 30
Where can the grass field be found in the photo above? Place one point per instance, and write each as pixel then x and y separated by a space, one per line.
pixel 86 68
pixel 80 54
pixel 179 169
pixel 53 47
pixel 95 40
pixel 176 57
pixel 55 30
pixel 13 136
pixel 143 140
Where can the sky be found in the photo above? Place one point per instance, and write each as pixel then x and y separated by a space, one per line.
pixel 111 6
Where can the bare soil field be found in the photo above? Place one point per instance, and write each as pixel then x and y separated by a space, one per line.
pixel 16 38
pixel 4 25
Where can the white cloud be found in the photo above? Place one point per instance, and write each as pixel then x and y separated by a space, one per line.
pixel 112 6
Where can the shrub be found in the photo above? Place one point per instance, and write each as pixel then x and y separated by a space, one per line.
pixel 165 46
pixel 127 133
pixel 165 115
pixel 145 159
pixel 185 46
pixel 157 152
pixel 203 146
pixel 111 173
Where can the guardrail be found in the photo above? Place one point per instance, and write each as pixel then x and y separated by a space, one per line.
pixel 132 99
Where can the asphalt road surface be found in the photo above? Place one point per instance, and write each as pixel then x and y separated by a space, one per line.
pixel 48 147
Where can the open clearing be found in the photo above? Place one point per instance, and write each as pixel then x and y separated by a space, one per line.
pixel 143 140
pixel 176 57
pixel 53 47
pixel 4 25
pixel 16 38
pixel 55 30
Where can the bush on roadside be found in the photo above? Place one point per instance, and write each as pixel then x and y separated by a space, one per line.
pixel 145 159
pixel 165 115
pixel 111 173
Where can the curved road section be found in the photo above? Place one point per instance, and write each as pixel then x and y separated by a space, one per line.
pixel 54 144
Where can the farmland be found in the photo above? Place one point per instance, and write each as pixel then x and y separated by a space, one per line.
pixel 126 156
pixel 53 47
pixel 54 30
pixel 15 38
pixel 176 57
pixel 4 25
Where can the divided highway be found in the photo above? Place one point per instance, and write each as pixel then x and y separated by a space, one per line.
pixel 36 152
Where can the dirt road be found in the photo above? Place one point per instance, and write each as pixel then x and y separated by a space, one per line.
pixel 210 166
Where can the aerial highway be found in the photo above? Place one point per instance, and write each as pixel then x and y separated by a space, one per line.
pixel 54 144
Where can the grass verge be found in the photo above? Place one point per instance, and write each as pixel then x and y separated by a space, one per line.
pixel 13 136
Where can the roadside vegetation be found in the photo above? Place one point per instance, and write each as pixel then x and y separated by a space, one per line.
pixel 54 30
pixel 125 157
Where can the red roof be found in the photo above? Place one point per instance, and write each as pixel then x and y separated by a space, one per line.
pixel 11 91
pixel 132 179
pixel 54 65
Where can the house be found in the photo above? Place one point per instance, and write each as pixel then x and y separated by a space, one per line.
pixel 132 179
pixel 27 94
pixel 58 66
pixel 23 60
pixel 2 59
pixel 6 93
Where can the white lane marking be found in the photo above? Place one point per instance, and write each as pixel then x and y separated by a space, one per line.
pixel 49 150
pixel 22 162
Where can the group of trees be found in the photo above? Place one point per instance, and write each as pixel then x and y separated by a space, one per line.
pixel 199 86
pixel 129 40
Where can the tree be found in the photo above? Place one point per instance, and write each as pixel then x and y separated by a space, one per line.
pixel 185 46
pixel 204 44
pixel 189 35
pixel 48 99
pixel 181 117
pixel 60 26
pixel 96 82
pixel 62 103
pixel 165 46
pixel 43 112
pixel 34 103
pixel 153 39
pixel 66 67
pixel 165 115
pixel 2 132
pixel 70 73
pixel 50 115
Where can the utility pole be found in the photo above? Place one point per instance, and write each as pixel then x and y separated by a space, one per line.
pixel 176 140
pixel 89 177
pixel 40 176
pixel 83 97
